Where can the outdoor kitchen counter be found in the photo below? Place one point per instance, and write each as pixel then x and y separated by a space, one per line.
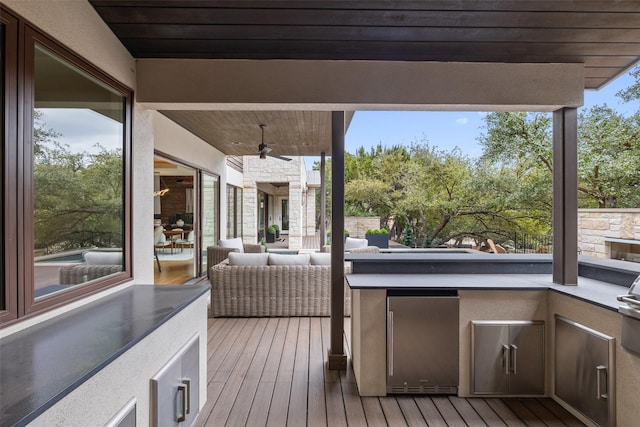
pixel 592 291
pixel 45 362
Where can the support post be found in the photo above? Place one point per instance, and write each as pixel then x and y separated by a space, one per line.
pixel 337 357
pixel 323 201
pixel 565 196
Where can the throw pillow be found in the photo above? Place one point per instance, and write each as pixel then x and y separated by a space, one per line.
pixel 282 259
pixel 103 258
pixel 237 258
pixel 232 243
pixel 320 259
pixel 352 243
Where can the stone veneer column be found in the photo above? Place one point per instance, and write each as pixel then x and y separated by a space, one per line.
pixel 311 212
pixel 249 214
pixel 295 215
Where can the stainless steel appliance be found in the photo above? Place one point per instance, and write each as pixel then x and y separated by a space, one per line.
pixel 422 342
pixel 508 357
pixel 585 370
pixel 630 310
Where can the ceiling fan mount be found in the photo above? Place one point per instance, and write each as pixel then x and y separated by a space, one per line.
pixel 264 150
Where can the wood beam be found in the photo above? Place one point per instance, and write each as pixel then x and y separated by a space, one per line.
pixel 565 196
pixel 337 356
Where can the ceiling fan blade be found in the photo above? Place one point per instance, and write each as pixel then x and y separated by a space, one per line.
pixel 276 156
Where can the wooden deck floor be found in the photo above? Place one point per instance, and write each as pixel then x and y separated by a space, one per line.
pixel 271 372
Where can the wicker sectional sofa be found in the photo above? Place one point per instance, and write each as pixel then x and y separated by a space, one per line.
pixel 272 290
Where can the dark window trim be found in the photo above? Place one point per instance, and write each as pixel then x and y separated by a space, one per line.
pixel 199 171
pixel 9 190
pixel 20 251
pixel 237 211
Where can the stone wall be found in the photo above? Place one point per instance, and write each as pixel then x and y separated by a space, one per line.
pixel 358 225
pixel 594 225
pixel 271 175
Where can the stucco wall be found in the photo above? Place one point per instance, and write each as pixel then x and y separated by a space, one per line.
pixel 594 225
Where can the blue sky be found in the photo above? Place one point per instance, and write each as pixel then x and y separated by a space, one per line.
pixel 447 130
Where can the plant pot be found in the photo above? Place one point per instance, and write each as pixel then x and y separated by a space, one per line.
pixel 271 238
pixel 379 240
pixel 277 234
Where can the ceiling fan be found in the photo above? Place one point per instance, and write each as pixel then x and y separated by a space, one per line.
pixel 265 151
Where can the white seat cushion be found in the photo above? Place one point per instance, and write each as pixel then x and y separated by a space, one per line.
pixel 352 243
pixel 232 243
pixel 237 258
pixel 320 258
pixel 282 259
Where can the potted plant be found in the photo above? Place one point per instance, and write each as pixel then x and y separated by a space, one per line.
pixel 346 234
pixel 271 234
pixel 277 227
pixel 377 237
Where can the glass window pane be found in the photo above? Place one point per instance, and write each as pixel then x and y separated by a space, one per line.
pixel 239 212
pixel 78 176
pixel 230 212
pixel 210 212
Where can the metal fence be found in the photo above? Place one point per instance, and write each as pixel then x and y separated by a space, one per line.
pixel 530 243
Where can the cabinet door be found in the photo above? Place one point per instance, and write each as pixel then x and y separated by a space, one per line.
pixel 584 370
pixel 175 389
pixel 490 358
pixel 526 342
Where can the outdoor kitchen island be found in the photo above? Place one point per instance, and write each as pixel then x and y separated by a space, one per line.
pixel 498 290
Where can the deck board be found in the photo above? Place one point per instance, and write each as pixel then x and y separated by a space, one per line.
pixel 273 372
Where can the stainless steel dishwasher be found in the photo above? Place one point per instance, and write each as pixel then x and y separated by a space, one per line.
pixel 422 342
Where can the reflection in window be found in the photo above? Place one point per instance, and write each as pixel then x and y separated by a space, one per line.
pixel 210 212
pixel 78 176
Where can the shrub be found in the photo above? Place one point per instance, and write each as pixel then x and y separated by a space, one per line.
pixel 377 231
pixel 271 230
pixel 276 227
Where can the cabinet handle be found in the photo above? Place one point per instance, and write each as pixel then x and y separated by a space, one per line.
pixel 600 370
pixel 505 358
pixel 390 341
pixel 514 359
pixel 187 382
pixel 182 416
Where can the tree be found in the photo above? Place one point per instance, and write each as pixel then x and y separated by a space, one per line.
pixel 632 92
pixel 609 158
pixel 607 151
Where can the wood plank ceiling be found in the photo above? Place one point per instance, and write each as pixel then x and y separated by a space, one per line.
pixel 604 35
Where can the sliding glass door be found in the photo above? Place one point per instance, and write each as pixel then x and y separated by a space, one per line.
pixel 210 211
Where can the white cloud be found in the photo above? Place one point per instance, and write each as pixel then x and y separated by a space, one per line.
pixel 462 121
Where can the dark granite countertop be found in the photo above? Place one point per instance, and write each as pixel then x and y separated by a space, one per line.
pixel 602 294
pixel 43 363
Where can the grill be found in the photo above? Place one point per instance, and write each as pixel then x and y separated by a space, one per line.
pixel 630 311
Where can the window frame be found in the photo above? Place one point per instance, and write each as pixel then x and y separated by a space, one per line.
pixel 18 246
pixel 9 308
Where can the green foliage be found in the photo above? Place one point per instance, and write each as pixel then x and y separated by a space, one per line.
pixel 408 236
pixel 276 227
pixel 377 231
pixel 632 93
pixel 271 230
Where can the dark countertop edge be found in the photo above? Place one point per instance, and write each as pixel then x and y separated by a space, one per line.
pixel 443 257
pixel 28 418
pixel 537 282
